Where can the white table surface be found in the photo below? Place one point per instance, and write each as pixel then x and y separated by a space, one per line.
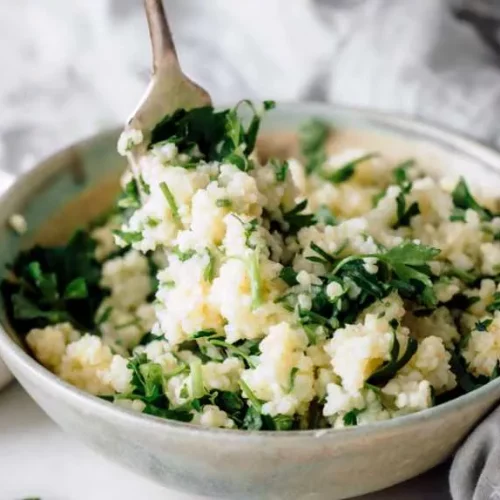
pixel 38 460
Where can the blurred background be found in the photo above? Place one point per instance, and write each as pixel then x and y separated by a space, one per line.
pixel 72 67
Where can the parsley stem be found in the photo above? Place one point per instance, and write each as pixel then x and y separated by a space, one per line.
pixel 250 395
pixel 235 350
pixel 197 389
pixel 351 258
pixel 255 281
pixel 171 202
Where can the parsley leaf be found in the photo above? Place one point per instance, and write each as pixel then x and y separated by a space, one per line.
pixel 218 135
pixel 76 289
pixel 400 171
pixel 495 304
pixel 129 198
pixel 351 417
pixel 463 200
pixel 289 276
pixel 313 136
pixel 296 220
pixel 128 237
pixel 345 172
pixel 280 169
pixel 293 374
pixel 51 285
pixel 209 272
pixel 405 214
pixel 389 369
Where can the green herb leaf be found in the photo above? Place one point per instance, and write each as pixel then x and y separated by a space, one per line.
pixel 218 135
pixel 463 200
pixel 404 215
pixel 280 169
pixel 297 220
pixel 234 350
pixel 409 254
pixel 313 136
pixel 283 422
pixel 183 256
pixel 171 202
pixel 345 172
pixel 389 369
pixel 351 417
pixel 129 237
pixel 129 197
pixel 223 203
pixel 400 172
pixel 76 289
pixel 55 284
pixel 293 374
pixel 289 276
pixel 25 309
pixel 46 282
pixel 153 379
pixel 495 304
pixel 209 272
pixel 253 420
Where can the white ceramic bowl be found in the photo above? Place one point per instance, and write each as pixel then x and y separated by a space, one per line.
pixel 329 464
pixel 5 376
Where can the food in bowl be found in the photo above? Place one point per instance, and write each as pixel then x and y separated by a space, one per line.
pixel 229 291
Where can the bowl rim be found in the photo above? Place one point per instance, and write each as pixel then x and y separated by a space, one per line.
pixel 15 354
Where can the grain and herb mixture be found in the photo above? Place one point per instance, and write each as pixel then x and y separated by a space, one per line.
pixel 330 292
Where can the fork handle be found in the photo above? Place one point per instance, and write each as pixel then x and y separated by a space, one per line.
pixel 162 43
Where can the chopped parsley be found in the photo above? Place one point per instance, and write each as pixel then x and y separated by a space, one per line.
pixel 296 219
pixel 404 213
pixel 280 169
pixel 209 273
pixel 495 304
pixel 344 173
pixel 171 202
pixel 217 135
pixel 313 136
pixel 400 172
pixel 223 203
pixel 397 361
pixel 463 200
pixel 289 276
pixel 351 417
pixel 129 237
pixel 255 280
pixel 53 285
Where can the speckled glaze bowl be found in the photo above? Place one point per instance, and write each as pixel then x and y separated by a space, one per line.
pixel 77 184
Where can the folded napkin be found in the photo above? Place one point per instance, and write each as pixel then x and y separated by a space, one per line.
pixel 475 472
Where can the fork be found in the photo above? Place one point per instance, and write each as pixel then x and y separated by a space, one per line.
pixel 169 89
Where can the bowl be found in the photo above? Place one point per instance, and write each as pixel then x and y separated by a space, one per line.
pixel 5 376
pixel 74 186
